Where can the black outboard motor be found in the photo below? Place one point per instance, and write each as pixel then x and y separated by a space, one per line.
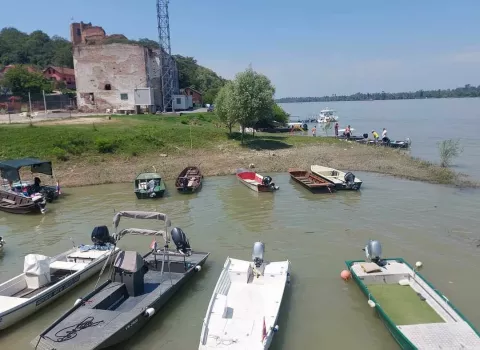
pixel 267 181
pixel 365 136
pixel 101 236
pixel 40 202
pixel 350 180
pixel 181 241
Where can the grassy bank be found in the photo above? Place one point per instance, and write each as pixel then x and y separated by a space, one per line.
pixel 98 150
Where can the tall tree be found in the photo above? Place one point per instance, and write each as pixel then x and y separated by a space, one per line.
pixel 223 106
pixel 252 97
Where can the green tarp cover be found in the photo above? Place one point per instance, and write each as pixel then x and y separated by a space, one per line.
pixel 9 168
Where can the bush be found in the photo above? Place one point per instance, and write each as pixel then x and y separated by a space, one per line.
pixel 60 154
pixel 105 145
pixel 449 149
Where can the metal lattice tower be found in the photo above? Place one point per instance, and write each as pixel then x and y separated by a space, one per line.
pixel 167 63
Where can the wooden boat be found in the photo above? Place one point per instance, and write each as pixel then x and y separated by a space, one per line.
pixel 149 185
pixel 244 308
pixel 312 182
pixel 189 180
pixel 10 171
pixel 416 314
pixel 17 203
pixel 46 278
pixel 256 182
pixel 136 291
pixel 341 180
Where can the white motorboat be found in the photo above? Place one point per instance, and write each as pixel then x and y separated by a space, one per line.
pixel 341 180
pixel 46 278
pixel 327 115
pixel 243 310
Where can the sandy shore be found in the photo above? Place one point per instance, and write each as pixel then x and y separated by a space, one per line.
pixel 347 156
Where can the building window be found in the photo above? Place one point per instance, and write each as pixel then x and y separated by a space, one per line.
pixel 109 87
pixel 179 101
pixel 124 97
pixel 79 32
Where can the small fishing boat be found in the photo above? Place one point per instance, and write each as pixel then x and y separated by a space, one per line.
pixel 10 170
pixel 312 182
pixel 137 289
pixel 2 243
pixel 341 180
pixel 256 182
pixel 244 308
pixel 18 203
pixel 44 279
pixel 327 115
pixel 149 185
pixel 189 180
pixel 416 314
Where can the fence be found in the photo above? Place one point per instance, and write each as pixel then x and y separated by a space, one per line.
pixel 36 102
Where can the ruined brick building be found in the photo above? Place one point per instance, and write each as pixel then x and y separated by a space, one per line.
pixel 110 75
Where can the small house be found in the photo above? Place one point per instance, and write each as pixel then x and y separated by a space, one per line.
pixel 67 75
pixel 196 96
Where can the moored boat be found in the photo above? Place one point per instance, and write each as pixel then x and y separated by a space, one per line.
pixel 245 304
pixel 327 115
pixel 189 180
pixel 341 180
pixel 416 314
pixel 149 185
pixel 256 182
pixel 136 290
pixel 18 203
pixel 45 279
pixel 312 182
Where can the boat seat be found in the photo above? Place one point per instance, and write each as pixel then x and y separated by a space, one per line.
pixel 66 265
pixel 9 201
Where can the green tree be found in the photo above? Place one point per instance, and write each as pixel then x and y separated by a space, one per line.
pixel 223 106
pixel 449 149
pixel 210 95
pixel 252 98
pixel 279 115
pixel 20 81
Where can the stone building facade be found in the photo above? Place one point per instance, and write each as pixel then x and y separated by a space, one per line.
pixel 108 74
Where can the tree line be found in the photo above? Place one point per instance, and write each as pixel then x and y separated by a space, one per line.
pixel 466 91
pixel 248 101
pixel 40 50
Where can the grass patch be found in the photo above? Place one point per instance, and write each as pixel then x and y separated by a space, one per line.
pixel 403 305
pixel 132 136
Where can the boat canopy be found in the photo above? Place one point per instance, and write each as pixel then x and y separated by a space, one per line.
pixel 148 176
pixel 141 231
pixel 9 168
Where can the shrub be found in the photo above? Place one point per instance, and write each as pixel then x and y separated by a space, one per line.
pixel 60 154
pixel 449 149
pixel 105 145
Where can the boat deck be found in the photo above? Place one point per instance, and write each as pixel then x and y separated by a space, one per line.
pixel 236 318
pixel 422 315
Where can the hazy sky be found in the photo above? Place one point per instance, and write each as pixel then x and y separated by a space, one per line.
pixel 306 47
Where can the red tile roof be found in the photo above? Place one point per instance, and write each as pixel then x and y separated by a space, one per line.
pixel 62 70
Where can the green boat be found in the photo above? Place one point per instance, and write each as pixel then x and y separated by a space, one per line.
pixel 416 314
pixel 149 185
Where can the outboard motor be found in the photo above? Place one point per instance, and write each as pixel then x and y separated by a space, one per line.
pixel 365 136
pixel 130 269
pixel 181 241
pixel 267 181
pixel 101 236
pixel 40 201
pixel 373 252
pixel 258 253
pixel 350 181
pixel 2 243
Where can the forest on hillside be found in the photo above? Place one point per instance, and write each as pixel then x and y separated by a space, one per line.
pixel 40 50
pixel 465 91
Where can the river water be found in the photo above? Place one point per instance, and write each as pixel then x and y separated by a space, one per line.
pixel 425 122
pixel 437 225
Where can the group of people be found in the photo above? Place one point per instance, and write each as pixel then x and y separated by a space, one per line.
pixel 348 133
pixel 384 136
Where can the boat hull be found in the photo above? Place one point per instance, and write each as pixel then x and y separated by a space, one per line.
pixel 465 335
pixel 145 195
pixel 119 329
pixel 336 180
pixel 311 182
pixel 37 302
pixel 254 181
pixel 194 180
pixel 230 290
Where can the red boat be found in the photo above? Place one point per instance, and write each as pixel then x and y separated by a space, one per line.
pixel 256 182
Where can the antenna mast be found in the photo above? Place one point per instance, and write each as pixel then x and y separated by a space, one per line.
pixel 167 63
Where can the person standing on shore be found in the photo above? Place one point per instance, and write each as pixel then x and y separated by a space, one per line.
pixel 314 131
pixel 336 129
pixel 384 136
pixel 375 136
pixel 348 132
